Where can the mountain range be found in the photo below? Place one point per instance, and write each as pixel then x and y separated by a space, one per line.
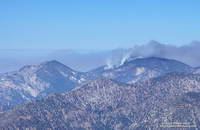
pixel 142 93
pixel 106 104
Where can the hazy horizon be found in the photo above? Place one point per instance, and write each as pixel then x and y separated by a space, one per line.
pixel 85 60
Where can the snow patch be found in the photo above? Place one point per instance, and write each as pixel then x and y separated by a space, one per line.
pixel 139 71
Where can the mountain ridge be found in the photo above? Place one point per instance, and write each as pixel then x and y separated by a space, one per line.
pixel 36 81
pixel 141 69
pixel 106 104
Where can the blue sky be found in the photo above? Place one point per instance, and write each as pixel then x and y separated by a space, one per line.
pixel 96 25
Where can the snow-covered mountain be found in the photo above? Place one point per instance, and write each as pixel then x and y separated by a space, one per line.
pixel 32 82
pixel 165 101
pixel 139 69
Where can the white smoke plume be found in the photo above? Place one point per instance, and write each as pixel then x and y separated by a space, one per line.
pixel 109 64
pixel 125 57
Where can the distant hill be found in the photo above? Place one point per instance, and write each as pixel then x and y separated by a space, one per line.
pixel 140 69
pixel 32 82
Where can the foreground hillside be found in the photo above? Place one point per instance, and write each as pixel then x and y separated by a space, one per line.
pixel 107 104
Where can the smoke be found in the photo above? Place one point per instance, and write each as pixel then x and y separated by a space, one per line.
pixel 125 57
pixel 84 61
pixel 117 57
pixel 189 54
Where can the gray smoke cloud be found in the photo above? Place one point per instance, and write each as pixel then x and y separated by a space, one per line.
pixel 189 54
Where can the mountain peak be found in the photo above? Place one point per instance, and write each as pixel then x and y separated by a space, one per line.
pixel 51 62
pixel 48 64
